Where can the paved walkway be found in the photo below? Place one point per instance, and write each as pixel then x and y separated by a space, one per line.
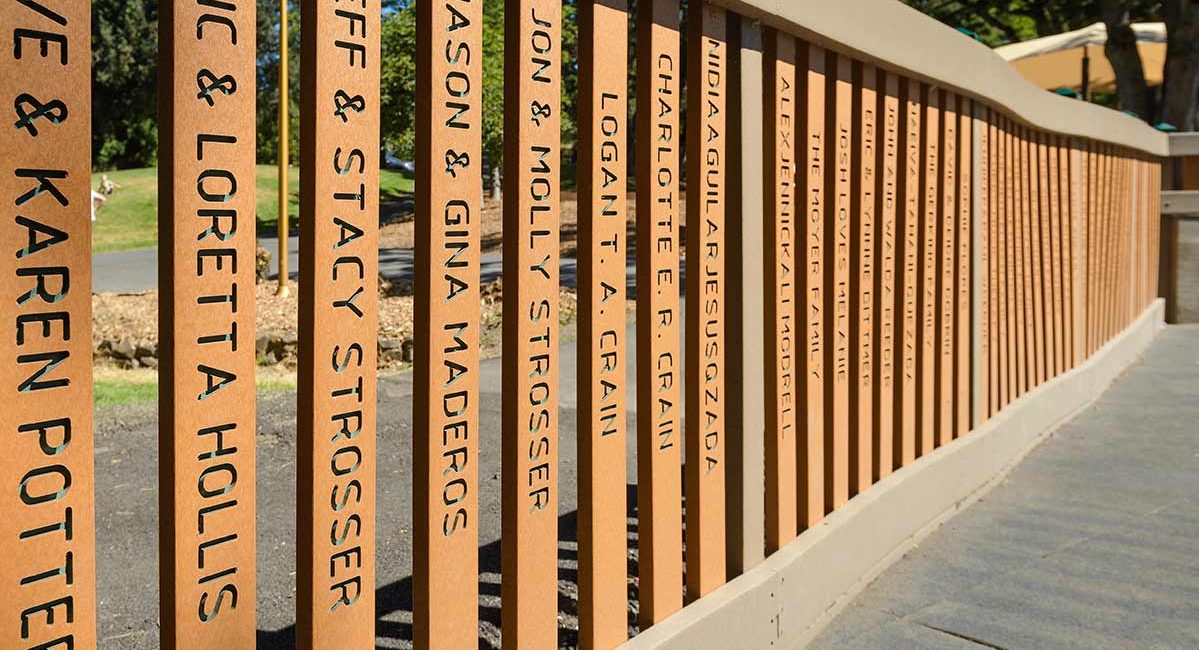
pixel 1092 542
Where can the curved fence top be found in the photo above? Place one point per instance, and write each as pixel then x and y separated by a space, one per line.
pixel 898 37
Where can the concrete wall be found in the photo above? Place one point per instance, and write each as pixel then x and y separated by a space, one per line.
pixel 787 600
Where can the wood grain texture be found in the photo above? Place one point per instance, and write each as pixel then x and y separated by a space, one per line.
pixel 888 335
pixel 602 348
pixel 446 321
pixel 532 215
pixel 783 336
pixel 338 326
pixel 706 304
pixel 811 70
pixel 47 515
pixel 659 315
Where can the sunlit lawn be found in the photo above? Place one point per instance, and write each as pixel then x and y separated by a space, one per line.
pixel 115 386
pixel 129 220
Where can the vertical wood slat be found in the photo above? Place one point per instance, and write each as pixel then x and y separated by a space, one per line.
pixel 1107 191
pixel 782 340
pixel 1120 276
pixel 1036 180
pixel 909 256
pixel 930 219
pixel 207 427
pixel 745 511
pixel 1091 220
pixel 1067 224
pixel 207 572
pixel 1156 215
pixel 1044 292
pixel 1055 257
pixel 1111 295
pixel 1119 297
pixel 1019 236
pixel 1111 241
pixel 1068 228
pixel 532 158
pixel 839 141
pixel 602 350
pixel 1004 266
pixel 47 516
pixel 992 217
pixel 987 220
pixel 338 325
pixel 864 259
pixel 1084 205
pixel 447 323
pixel 1090 190
pixel 947 226
pixel 888 273
pixel 706 306
pixel 1105 181
pixel 811 70
pixel 659 391
pixel 965 222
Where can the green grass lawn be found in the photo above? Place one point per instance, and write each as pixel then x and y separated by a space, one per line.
pixel 113 387
pixel 130 218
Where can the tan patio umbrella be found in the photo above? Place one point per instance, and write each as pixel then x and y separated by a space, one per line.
pixel 1076 60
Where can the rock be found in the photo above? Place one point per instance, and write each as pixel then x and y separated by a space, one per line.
pixel 270 358
pixel 262 345
pixel 146 349
pixel 149 362
pixel 390 350
pixel 408 350
pixel 125 349
pixel 262 264
pixel 290 340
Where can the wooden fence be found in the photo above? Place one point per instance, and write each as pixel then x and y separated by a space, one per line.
pixel 842 264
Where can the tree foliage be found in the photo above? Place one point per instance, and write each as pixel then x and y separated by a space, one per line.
pixel 399 78
pixel 267 86
pixel 1002 21
pixel 124 52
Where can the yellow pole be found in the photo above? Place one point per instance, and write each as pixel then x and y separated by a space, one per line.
pixel 283 228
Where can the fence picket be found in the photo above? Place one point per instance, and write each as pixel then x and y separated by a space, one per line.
pixel 946 392
pixel 863 369
pixel 659 317
pixel 47 513
pixel 909 293
pixel 877 264
pixel 930 235
pixel 602 354
pixel 206 273
pixel 782 340
pixel 338 327
pixel 532 210
pixel 963 321
pixel 446 320
pixel 705 357
pixel 811 67
pixel 838 202
pixel 889 293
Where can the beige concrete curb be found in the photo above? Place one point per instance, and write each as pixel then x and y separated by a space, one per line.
pixel 899 38
pixel 788 599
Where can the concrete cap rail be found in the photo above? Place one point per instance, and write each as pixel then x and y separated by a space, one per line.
pixel 900 38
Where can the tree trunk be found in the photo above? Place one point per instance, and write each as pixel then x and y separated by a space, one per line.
pixel 1121 51
pixel 1182 63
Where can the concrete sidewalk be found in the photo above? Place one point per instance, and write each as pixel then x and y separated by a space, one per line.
pixel 1091 542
